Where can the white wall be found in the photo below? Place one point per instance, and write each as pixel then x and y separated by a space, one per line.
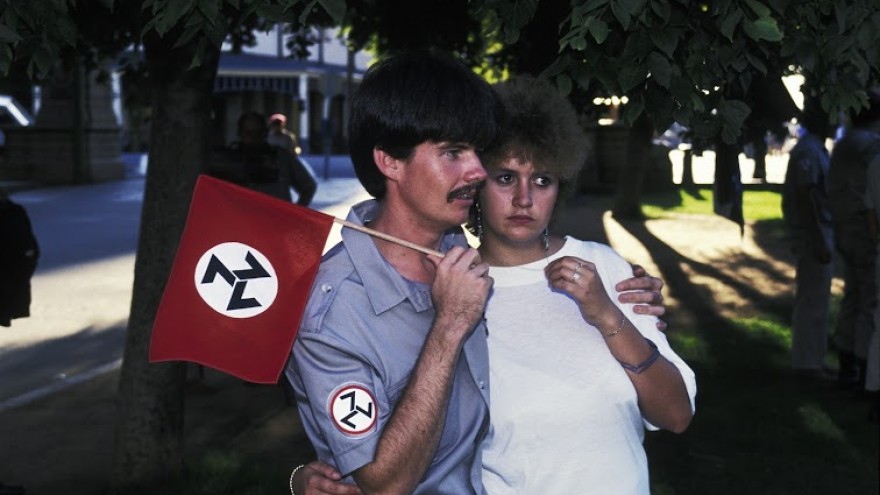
pixel 334 50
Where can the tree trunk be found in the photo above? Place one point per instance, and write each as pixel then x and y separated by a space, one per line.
pixel 149 424
pixel 628 193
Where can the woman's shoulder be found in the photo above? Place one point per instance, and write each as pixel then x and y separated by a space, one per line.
pixel 592 251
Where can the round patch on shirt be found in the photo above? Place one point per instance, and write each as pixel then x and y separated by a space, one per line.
pixel 353 409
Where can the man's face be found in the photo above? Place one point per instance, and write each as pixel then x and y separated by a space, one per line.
pixel 251 133
pixel 439 183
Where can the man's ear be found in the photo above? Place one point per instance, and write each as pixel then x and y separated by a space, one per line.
pixel 387 164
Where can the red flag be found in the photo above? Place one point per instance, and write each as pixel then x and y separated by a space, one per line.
pixel 240 281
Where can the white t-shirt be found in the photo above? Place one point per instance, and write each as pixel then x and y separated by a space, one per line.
pixel 564 414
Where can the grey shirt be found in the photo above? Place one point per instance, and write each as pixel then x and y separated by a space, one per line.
pixel 363 329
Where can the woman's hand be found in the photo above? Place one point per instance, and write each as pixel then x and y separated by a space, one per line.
pixel 582 282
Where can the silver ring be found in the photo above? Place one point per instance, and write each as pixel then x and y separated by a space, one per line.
pixel 576 276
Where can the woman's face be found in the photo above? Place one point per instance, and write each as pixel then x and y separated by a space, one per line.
pixel 517 203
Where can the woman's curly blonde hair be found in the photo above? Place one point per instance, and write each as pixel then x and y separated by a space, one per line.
pixel 540 126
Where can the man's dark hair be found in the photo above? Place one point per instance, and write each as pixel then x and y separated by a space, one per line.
pixel 414 97
pixel 257 120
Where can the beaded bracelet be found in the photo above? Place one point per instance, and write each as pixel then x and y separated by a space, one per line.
pixel 292 474
pixel 641 367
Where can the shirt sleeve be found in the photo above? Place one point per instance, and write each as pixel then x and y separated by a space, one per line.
pixel 341 398
pixel 613 269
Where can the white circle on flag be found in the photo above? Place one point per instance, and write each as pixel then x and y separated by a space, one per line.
pixel 353 409
pixel 236 280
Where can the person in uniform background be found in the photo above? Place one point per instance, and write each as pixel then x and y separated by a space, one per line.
pixel 811 237
pixel 19 253
pixel 255 163
pixel 280 136
pixel 846 193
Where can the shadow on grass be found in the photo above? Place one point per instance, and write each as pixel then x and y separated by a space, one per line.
pixel 757 428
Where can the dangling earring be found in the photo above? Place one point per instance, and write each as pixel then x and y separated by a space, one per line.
pixel 546 240
pixel 479 222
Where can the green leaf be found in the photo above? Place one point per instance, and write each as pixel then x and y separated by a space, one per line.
pixel 764 28
pixel 579 44
pixel 733 112
pixel 665 39
pixel 631 76
pixel 660 69
pixel 623 17
pixel 633 109
pixel 840 15
pixel 563 82
pixel 335 8
pixel 728 26
pixel 210 9
pixel 5 59
pixel 757 63
pixel 662 10
pixel 599 30
pixel 8 36
pixel 593 5
pixel 632 7
pixel 199 55
pixel 583 77
pixel 174 11
pixel 758 8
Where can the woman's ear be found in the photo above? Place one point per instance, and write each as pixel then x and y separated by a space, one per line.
pixel 387 164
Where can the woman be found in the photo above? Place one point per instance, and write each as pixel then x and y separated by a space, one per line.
pixel 595 373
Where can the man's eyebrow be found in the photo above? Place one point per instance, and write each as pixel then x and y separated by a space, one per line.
pixel 454 144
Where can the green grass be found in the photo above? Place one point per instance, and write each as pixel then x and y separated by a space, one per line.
pixel 757 204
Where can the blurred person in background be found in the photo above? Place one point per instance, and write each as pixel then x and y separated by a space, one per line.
pixel 19 253
pixel 847 180
pixel 811 237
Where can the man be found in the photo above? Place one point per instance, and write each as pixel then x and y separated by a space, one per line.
pixel 280 136
pixel 806 214
pixel 390 366
pixel 846 192
pixel 268 168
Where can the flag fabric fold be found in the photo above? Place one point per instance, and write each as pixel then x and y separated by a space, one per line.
pixel 240 281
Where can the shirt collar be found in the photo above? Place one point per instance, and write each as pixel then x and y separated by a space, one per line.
pixel 385 287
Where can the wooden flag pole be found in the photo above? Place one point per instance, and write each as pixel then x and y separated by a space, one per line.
pixel 391 238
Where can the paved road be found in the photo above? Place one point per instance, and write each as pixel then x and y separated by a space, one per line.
pixel 82 288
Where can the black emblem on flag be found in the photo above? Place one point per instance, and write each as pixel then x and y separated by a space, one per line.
pixel 238 279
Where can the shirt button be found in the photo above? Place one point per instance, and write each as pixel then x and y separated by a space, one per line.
pixel 326 287
pixel 482 384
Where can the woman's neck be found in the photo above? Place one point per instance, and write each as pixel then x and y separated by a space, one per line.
pixel 497 253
